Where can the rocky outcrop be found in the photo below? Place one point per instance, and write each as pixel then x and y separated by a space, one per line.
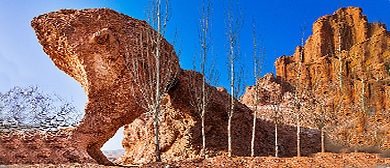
pixel 90 46
pixel 364 54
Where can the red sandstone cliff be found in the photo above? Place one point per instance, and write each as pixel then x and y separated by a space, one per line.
pixel 365 49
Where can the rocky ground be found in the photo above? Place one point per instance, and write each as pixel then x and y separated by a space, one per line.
pixel 318 160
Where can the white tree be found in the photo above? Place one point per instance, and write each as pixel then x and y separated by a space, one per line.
pixel 234 22
pixel 200 98
pixel 298 91
pixel 154 69
pixel 275 101
pixel 258 58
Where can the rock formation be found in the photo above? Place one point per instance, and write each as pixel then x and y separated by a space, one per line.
pixel 364 51
pixel 181 129
pixel 91 45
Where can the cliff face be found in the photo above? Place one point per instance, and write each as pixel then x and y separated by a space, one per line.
pixel 364 50
pixel 357 94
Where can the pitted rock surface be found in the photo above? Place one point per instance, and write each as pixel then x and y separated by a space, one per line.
pixel 90 46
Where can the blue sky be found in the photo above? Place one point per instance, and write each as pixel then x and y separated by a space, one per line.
pixel 23 62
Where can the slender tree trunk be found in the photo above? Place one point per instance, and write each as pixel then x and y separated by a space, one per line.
pixel 157 57
pixel 229 137
pixel 204 38
pixel 254 129
pixel 298 137
pixel 276 139
pixel 298 110
pixel 322 141
pixel 363 97
pixel 156 132
pixel 231 100
pixel 340 64
pixel 203 138
pixel 297 101
pixel 257 67
pixel 204 96
pixel 233 26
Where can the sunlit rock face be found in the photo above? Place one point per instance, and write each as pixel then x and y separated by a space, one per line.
pixel 91 45
pixel 364 49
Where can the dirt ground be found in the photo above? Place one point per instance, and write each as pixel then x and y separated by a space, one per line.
pixel 318 160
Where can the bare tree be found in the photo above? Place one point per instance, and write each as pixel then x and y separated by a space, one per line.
pixel 275 100
pixel 154 69
pixel 343 45
pixel 297 95
pixel 319 102
pixel 340 33
pixel 204 38
pixel 258 57
pixel 200 98
pixel 234 22
pixel 340 59
pixel 363 107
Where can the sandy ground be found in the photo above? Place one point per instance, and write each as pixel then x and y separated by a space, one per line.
pixel 318 160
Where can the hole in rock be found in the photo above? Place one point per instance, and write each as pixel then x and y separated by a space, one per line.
pixel 113 148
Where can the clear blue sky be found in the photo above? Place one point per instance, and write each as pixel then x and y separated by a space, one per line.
pixel 23 62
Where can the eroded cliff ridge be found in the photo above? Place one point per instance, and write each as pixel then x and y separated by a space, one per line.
pixel 354 99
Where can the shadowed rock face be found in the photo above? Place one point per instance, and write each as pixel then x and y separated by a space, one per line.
pixel 89 45
pixel 180 128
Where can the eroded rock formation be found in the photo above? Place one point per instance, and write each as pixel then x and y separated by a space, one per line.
pixel 364 50
pixel 90 46
pixel 180 129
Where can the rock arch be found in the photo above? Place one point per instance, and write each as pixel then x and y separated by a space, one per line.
pixel 89 45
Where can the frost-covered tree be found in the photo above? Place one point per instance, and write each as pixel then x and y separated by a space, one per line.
pixel 30 108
